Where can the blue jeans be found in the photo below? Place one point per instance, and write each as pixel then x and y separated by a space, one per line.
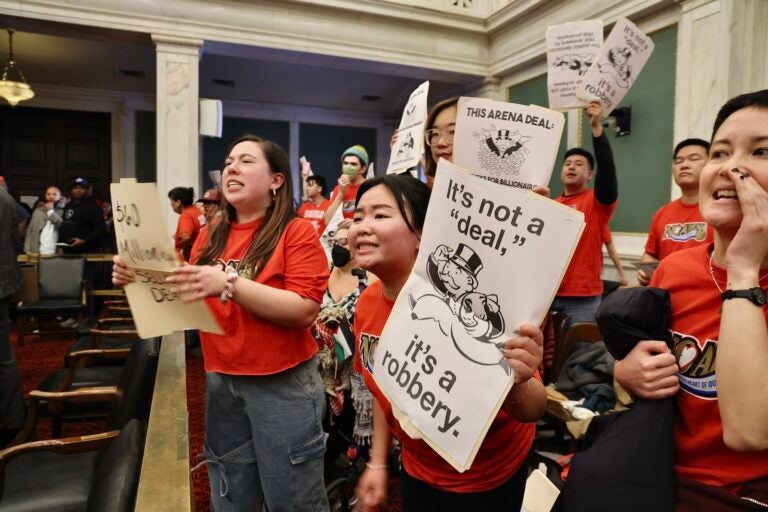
pixel 577 309
pixel 264 440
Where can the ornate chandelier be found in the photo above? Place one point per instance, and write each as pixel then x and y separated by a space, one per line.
pixel 14 91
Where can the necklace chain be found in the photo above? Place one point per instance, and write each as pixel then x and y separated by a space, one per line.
pixel 714 280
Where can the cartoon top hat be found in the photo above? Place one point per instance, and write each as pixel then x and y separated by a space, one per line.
pixel 467 259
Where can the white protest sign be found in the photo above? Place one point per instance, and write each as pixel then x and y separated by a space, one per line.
pixel 624 54
pixel 410 134
pixel 571 50
pixel 145 247
pixel 490 259
pixel 507 143
pixel 330 232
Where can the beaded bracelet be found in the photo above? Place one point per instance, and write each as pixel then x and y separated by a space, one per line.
pixel 376 466
pixel 525 394
pixel 229 291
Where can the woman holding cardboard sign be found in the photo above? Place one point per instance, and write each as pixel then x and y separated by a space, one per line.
pixel 385 238
pixel 263 273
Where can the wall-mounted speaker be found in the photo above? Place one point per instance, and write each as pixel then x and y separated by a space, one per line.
pixel 211 118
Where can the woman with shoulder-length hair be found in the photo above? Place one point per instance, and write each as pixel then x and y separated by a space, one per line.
pixel 262 272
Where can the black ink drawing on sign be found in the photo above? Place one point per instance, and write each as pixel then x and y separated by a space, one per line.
pixel 501 152
pixel 578 63
pixel 618 66
pixel 406 148
pixel 471 319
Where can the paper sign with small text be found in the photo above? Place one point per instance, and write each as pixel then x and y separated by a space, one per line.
pixel 625 52
pixel 145 247
pixel 490 259
pixel 409 147
pixel 507 143
pixel 571 50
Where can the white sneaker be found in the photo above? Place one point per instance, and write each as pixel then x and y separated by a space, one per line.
pixel 70 323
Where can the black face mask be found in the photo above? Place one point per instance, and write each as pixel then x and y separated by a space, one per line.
pixel 340 256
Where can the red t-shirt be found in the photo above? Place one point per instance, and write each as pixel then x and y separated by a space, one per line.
pixel 314 213
pixel 501 454
pixel 584 275
pixel 251 345
pixel 677 226
pixel 348 201
pixel 189 222
pixel 701 453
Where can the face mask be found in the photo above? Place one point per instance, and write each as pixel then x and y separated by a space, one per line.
pixel 350 170
pixel 340 256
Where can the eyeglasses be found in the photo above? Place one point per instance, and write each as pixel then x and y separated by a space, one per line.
pixel 433 136
pixel 341 241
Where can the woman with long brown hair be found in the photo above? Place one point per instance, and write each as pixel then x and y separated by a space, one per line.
pixel 262 272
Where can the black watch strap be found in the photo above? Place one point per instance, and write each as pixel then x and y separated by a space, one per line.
pixel 756 295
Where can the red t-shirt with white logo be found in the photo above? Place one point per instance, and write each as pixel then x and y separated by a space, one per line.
pixel 348 201
pixel 501 454
pixel 314 213
pixel 250 344
pixel 701 453
pixel 584 275
pixel 677 226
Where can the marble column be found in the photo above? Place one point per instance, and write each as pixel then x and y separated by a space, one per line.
pixel 177 115
pixel 487 87
pixel 721 52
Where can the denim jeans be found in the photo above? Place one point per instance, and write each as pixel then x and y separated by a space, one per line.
pixel 264 440
pixel 577 309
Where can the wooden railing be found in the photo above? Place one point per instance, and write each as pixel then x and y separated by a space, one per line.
pixel 165 483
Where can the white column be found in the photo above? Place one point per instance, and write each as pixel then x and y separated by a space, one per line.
pixel 721 53
pixel 177 115
pixel 123 141
pixel 487 87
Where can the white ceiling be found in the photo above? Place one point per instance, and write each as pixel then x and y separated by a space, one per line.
pixel 67 55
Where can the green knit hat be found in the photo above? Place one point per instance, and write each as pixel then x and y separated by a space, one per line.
pixel 358 151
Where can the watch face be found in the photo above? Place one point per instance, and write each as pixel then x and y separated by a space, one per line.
pixel 759 296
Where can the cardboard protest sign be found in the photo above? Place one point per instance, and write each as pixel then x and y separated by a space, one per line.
pixel 507 143
pixel 571 50
pixel 144 246
pixel 410 134
pixel 623 56
pixel 490 259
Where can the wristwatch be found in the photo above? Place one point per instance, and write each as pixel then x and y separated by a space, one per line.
pixel 757 295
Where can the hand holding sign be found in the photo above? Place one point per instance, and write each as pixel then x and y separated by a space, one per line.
pixel 524 352
pixel 146 259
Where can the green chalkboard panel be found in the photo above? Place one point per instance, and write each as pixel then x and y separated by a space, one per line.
pixel 643 158
pixel 323 145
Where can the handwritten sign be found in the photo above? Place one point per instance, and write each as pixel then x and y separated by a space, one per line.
pixel 410 134
pixel 623 56
pixel 490 259
pixel 572 48
pixel 507 143
pixel 144 246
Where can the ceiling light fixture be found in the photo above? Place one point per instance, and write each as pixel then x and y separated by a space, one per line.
pixel 14 91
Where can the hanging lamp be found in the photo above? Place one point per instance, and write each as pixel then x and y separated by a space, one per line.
pixel 14 91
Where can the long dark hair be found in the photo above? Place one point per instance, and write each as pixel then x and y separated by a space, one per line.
pixel 277 217
pixel 411 196
pixel 430 166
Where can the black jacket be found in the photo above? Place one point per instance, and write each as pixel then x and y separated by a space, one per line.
pixel 82 219
pixel 629 465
